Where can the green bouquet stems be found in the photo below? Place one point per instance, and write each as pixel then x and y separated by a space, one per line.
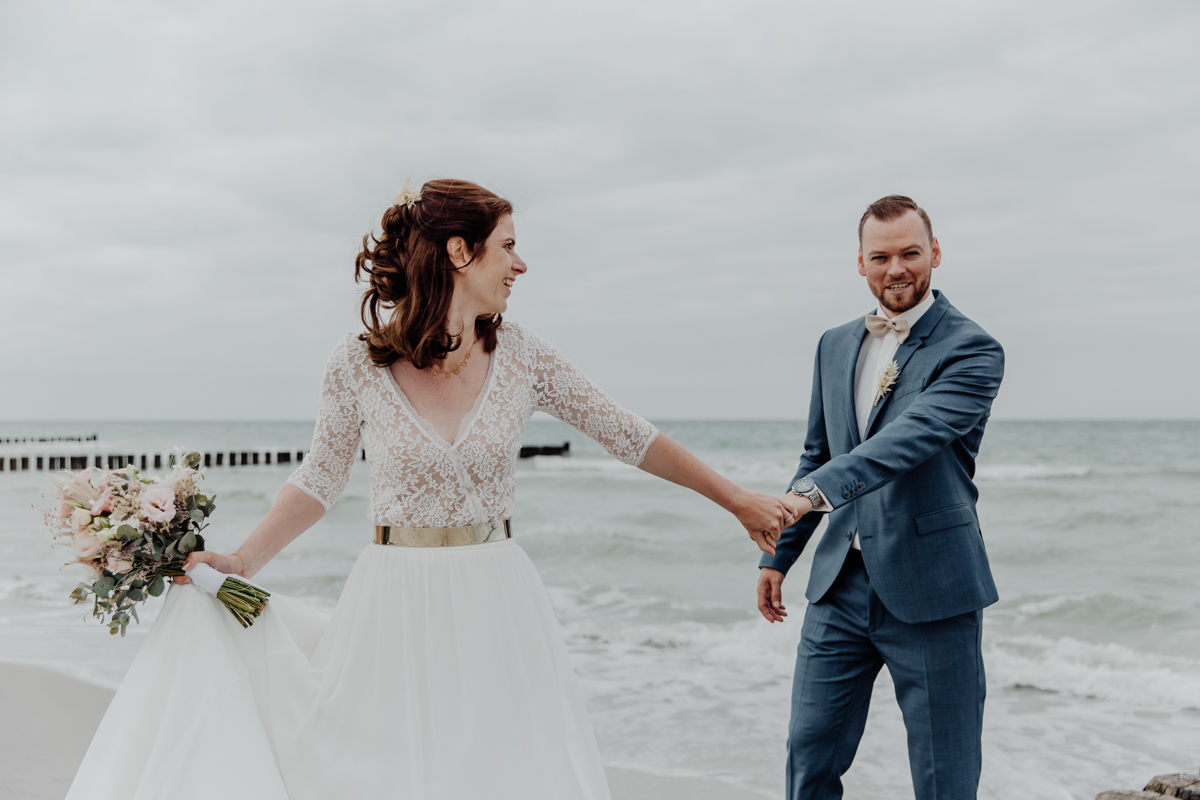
pixel 243 599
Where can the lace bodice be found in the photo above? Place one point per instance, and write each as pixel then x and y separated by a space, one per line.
pixel 420 480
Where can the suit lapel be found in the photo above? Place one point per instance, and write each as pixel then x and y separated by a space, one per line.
pixel 850 360
pixel 924 327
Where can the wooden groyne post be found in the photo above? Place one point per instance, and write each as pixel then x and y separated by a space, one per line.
pixel 147 461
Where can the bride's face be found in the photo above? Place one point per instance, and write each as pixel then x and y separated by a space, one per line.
pixel 486 283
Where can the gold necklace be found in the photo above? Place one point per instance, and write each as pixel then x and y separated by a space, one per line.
pixel 456 370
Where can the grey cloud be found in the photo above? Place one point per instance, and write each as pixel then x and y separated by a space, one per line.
pixel 183 188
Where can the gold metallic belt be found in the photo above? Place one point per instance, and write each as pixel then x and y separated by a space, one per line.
pixel 443 537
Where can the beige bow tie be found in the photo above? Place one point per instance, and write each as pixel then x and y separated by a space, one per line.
pixel 879 326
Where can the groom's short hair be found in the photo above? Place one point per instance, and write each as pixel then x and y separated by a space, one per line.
pixel 894 206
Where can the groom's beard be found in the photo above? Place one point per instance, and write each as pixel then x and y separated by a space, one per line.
pixel 898 304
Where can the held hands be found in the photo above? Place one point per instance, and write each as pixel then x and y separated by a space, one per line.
pixel 228 564
pixel 764 518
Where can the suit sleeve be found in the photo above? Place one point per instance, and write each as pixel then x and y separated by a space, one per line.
pixel 951 406
pixel 816 452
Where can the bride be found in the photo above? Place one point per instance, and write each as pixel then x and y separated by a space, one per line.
pixel 442 674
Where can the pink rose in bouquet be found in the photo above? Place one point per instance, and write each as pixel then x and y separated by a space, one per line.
pixel 84 545
pixel 102 504
pixel 158 503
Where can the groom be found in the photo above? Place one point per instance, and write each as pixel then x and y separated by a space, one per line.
pixel 900 577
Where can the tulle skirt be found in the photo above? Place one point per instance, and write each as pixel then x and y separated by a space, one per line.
pixel 442 675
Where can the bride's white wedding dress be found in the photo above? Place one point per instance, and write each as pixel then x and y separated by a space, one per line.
pixel 442 674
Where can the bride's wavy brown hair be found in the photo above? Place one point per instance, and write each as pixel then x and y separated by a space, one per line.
pixel 408 271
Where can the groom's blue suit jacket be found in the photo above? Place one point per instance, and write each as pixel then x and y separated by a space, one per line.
pixel 907 489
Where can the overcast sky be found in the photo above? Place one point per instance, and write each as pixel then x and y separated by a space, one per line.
pixel 183 188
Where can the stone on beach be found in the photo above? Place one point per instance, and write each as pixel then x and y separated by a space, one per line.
pixel 1183 785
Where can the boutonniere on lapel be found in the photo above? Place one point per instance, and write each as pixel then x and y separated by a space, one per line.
pixel 887 379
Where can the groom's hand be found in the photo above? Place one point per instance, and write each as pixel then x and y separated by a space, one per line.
pixel 770 594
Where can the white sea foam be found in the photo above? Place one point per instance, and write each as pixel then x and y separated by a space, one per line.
pixel 1101 671
pixel 1027 472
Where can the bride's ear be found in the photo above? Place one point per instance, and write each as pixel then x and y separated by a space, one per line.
pixel 460 254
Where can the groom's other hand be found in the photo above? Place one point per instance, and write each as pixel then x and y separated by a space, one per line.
pixel 770 594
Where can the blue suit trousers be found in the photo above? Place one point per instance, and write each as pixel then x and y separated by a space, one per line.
pixel 937 668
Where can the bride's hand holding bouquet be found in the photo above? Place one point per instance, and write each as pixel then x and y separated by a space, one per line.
pixel 226 564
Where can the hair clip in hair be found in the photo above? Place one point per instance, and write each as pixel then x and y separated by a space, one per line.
pixel 408 195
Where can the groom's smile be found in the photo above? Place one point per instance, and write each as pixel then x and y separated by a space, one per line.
pixel 897 258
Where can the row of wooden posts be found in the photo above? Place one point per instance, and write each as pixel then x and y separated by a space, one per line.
pixel 232 458
pixel 243 458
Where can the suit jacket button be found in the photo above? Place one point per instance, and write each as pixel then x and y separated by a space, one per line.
pixel 860 487
pixel 849 536
pixel 846 495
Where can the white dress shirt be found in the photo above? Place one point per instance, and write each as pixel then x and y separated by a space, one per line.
pixel 873 357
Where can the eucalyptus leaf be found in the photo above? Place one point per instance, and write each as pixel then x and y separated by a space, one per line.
pixel 157 587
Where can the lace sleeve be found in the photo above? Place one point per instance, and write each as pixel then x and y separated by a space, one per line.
pixel 563 391
pixel 326 469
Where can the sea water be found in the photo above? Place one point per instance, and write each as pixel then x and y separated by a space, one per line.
pixel 1092 653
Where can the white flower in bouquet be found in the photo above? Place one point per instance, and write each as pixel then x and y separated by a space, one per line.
pixel 113 529
pixel 181 481
pixel 158 503
pixel 80 519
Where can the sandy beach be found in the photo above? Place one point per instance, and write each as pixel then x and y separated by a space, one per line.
pixel 49 718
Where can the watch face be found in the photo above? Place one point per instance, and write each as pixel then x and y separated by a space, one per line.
pixel 803 485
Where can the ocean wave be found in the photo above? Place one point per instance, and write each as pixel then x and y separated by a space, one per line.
pixel 53 589
pixel 1101 671
pixel 1026 472
pixel 630 655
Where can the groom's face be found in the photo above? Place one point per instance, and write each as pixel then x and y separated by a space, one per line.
pixel 898 258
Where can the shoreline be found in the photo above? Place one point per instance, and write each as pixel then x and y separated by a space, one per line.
pixel 51 718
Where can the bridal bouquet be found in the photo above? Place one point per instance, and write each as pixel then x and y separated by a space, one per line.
pixel 131 533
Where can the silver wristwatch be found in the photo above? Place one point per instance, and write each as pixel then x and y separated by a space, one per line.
pixel 806 488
